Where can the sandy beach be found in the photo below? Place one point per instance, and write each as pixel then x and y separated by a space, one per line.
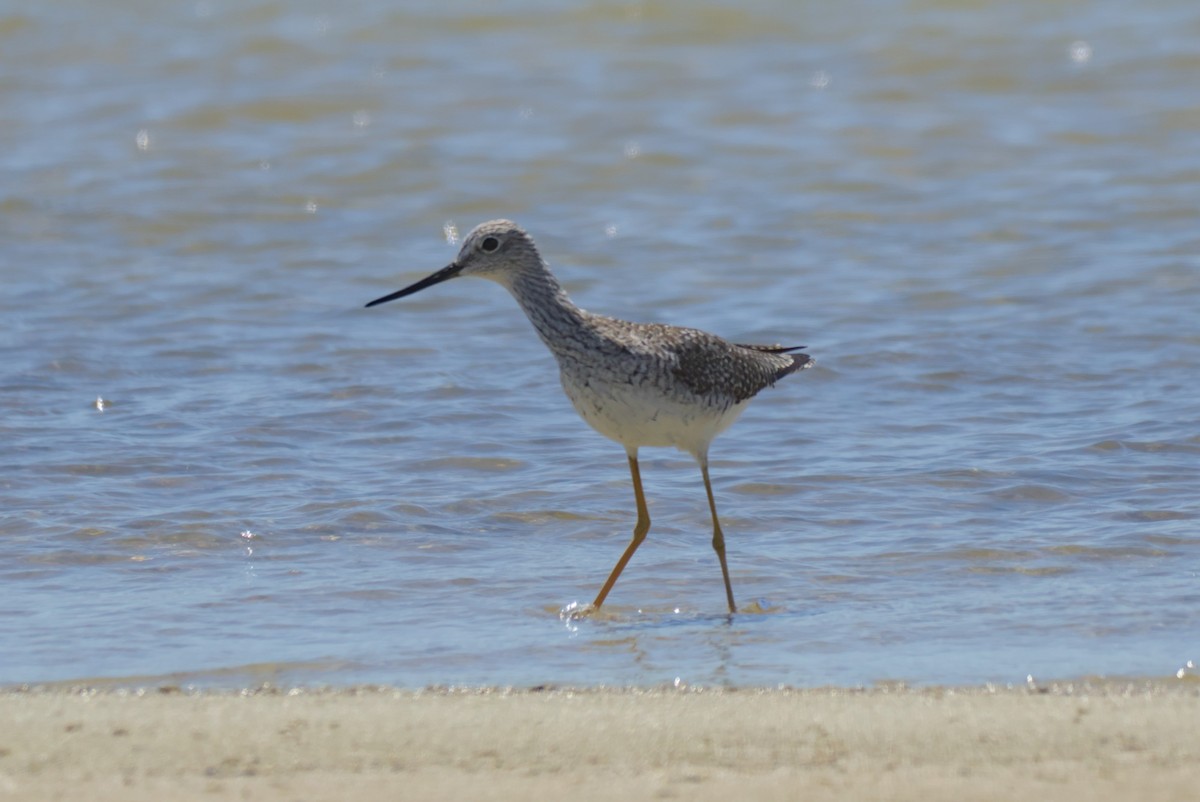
pixel 1096 741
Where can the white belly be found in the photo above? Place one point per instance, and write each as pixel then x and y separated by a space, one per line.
pixel 641 415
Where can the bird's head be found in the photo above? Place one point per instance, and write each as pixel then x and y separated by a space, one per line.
pixel 498 250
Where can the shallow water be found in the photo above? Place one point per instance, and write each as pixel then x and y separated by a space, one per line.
pixel 216 465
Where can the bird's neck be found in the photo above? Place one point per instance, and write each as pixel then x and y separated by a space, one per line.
pixel 548 307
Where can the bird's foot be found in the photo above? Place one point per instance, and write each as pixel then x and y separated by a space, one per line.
pixel 576 611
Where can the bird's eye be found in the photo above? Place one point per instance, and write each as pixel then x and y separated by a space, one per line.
pixel 489 244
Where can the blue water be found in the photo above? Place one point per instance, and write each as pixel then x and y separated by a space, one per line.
pixel 217 467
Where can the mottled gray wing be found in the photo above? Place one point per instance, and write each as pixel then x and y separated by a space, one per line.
pixel 713 368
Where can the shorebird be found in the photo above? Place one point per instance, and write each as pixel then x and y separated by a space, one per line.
pixel 640 384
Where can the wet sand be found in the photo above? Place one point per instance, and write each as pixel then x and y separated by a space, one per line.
pixel 1095 741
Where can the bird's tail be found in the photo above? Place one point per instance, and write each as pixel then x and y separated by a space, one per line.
pixel 798 361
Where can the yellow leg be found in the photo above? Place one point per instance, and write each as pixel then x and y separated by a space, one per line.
pixel 718 541
pixel 639 532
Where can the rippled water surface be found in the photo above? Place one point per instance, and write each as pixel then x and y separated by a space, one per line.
pixel 981 218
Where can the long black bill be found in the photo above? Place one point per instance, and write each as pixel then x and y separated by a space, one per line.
pixel 448 272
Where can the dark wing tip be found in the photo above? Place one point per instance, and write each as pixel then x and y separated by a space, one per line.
pixel 796 361
pixel 802 361
pixel 799 362
pixel 772 349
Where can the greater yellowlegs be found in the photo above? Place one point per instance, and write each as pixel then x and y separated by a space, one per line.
pixel 641 384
